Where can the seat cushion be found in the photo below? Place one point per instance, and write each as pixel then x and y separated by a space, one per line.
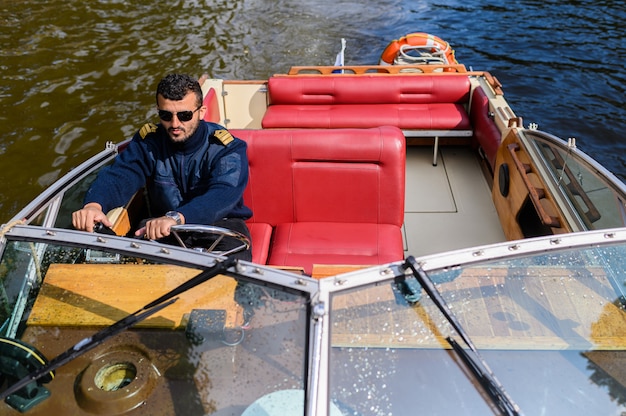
pixel 304 243
pixel 261 235
pixel 437 116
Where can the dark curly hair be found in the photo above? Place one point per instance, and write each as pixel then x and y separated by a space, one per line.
pixel 176 86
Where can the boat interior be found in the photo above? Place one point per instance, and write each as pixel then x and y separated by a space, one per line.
pixel 472 174
pixel 471 179
pixel 336 331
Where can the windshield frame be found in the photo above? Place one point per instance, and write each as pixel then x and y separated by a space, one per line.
pixel 451 262
pixel 153 251
pixel 320 291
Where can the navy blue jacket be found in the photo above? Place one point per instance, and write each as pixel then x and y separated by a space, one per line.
pixel 202 178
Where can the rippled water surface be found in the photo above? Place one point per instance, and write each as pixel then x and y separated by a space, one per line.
pixel 76 74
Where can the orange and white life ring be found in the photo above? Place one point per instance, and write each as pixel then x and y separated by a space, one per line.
pixel 430 43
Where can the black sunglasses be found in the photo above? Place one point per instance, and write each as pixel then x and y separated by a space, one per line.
pixel 182 115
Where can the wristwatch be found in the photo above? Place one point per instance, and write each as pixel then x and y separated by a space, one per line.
pixel 175 216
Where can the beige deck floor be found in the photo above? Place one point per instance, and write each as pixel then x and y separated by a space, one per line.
pixel 447 206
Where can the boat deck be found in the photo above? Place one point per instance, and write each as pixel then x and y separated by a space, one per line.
pixel 446 208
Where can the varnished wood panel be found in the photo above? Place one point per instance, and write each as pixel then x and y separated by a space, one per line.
pixel 509 206
pixel 100 294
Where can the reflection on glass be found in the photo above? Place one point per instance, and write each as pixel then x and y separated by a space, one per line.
pixel 73 200
pixel 595 203
pixel 549 326
pixel 220 347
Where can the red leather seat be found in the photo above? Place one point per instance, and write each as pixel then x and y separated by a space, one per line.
pixel 261 236
pixel 330 196
pixel 429 102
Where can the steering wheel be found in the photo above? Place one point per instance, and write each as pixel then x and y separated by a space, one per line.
pixel 220 232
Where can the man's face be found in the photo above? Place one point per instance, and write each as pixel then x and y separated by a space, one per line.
pixel 180 130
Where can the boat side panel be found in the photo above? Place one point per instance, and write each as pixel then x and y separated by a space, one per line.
pixel 525 207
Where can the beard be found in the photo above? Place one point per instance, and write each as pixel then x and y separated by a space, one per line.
pixel 181 133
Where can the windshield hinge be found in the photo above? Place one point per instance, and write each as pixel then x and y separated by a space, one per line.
pixel 319 310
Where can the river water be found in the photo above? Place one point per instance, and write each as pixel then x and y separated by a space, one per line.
pixel 76 74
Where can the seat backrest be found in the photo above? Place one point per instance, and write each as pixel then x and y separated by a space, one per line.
pixel 368 89
pixel 336 175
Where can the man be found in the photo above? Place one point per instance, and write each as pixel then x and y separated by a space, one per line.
pixel 195 171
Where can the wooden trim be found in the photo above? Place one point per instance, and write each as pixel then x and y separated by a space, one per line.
pixel 522 178
pixel 77 295
pixel 378 69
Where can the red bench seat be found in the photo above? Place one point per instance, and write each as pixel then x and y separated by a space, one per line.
pixel 423 102
pixel 424 105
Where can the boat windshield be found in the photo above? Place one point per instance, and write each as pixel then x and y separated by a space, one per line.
pixel 591 196
pixel 550 326
pixel 221 345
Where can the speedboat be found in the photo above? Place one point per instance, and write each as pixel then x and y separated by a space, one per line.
pixel 416 249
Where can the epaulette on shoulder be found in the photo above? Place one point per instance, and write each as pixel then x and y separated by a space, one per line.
pixel 147 128
pixel 223 136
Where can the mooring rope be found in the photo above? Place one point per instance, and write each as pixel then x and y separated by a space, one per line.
pixel 7 227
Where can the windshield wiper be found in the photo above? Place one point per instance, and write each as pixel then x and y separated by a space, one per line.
pixel 89 343
pixel 477 365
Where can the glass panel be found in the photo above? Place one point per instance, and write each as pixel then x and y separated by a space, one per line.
pixel 221 347
pixel 549 326
pixel 389 357
pixel 19 276
pixel 73 200
pixel 598 206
